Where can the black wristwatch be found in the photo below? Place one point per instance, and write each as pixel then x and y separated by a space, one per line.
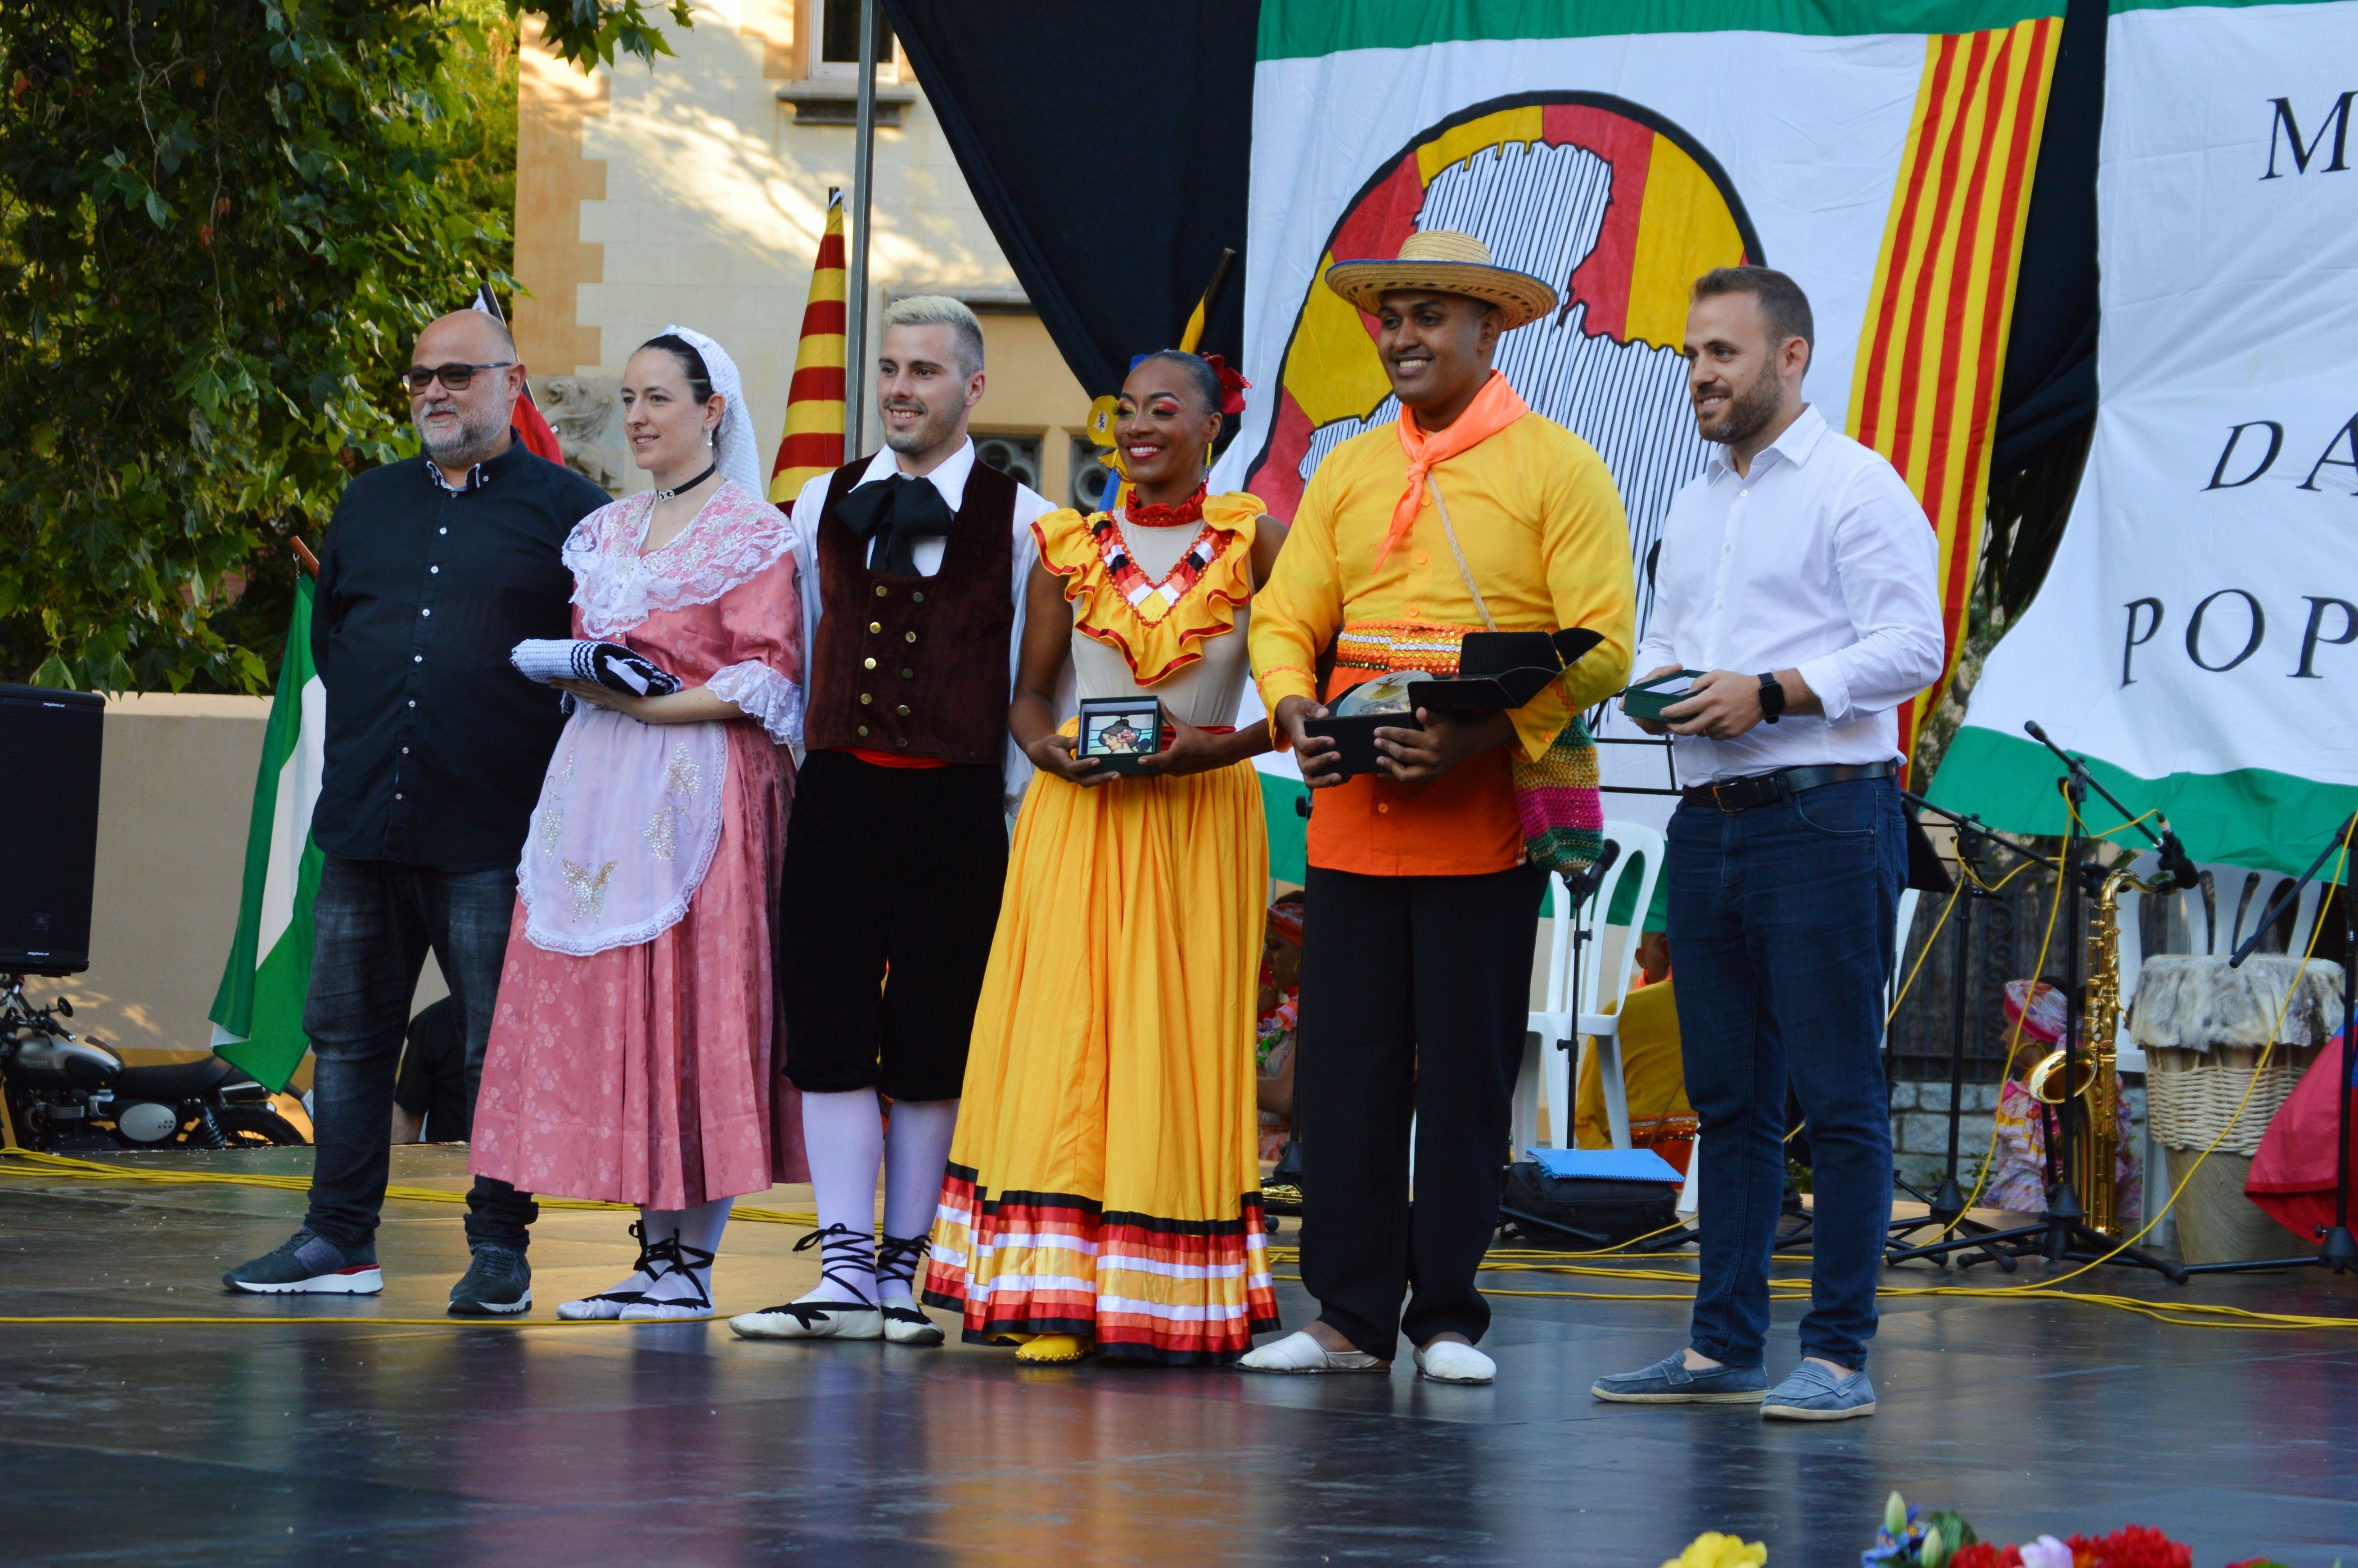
pixel 1773 699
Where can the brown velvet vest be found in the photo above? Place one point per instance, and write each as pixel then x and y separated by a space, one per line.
pixel 917 666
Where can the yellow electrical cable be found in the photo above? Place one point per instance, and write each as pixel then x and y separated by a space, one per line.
pixel 93 1170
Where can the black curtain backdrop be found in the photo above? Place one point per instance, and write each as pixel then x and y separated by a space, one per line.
pixel 2050 388
pixel 1107 148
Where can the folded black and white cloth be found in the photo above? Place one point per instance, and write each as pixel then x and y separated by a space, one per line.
pixel 609 665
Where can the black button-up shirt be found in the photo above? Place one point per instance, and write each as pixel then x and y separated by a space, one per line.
pixel 435 746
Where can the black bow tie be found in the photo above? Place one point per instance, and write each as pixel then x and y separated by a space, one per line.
pixel 905 510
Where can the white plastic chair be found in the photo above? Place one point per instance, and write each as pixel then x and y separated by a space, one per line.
pixel 1576 993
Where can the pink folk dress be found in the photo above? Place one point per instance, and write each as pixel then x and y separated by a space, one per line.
pixel 634 1048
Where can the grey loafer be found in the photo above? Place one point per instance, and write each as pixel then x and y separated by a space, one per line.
pixel 1813 1393
pixel 1669 1381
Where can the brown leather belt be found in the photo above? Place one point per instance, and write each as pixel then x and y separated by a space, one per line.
pixel 1767 789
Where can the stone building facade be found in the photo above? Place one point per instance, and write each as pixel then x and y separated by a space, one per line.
pixel 694 191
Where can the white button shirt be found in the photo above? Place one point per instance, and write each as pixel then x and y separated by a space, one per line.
pixel 948 477
pixel 1819 560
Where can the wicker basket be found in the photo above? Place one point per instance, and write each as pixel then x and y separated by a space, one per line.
pixel 2191 1099
pixel 2192 1096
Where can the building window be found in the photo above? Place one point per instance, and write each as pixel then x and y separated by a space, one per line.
pixel 1017 457
pixel 836 25
pixel 1092 480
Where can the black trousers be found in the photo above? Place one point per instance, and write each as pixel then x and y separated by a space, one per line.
pixel 1415 999
pixel 372 924
pixel 895 869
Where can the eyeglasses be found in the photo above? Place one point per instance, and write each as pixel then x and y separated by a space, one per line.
pixel 417 378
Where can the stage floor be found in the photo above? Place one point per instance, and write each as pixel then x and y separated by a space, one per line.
pixel 677 1443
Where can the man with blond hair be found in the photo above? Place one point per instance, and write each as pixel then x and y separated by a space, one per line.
pixel 913 567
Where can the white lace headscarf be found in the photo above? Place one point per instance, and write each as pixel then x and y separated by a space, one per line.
pixel 734 442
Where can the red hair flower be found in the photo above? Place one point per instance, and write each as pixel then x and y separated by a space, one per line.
pixel 1233 385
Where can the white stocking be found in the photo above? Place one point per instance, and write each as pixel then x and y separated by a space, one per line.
pixel 916 1151
pixel 843 1135
pixel 698 1228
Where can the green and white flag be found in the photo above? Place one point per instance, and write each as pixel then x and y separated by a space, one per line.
pixel 258 1013
pixel 2197 635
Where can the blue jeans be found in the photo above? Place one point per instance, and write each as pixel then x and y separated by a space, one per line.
pixel 372 924
pixel 1780 928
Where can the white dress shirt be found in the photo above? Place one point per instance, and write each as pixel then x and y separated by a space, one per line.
pixel 948 477
pixel 1819 560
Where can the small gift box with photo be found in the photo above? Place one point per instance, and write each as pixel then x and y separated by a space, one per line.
pixel 1119 731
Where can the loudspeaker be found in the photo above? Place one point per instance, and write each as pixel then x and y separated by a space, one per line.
pixel 48 780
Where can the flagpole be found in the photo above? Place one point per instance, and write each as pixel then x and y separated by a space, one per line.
pixel 863 168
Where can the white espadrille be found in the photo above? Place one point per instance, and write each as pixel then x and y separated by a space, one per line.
pixel 1299 1352
pixel 1446 1362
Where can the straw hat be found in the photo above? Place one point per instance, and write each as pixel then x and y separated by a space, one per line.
pixel 1447 262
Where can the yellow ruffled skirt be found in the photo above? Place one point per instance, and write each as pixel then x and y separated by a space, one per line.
pixel 1105 1178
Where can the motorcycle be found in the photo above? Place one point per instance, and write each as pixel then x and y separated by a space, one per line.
pixel 64 1092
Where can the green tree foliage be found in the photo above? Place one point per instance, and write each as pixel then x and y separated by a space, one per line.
pixel 221 223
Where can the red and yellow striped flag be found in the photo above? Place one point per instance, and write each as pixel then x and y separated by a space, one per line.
pixel 813 443
pixel 1925 390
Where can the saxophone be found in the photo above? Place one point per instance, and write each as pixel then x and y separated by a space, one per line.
pixel 2096 1082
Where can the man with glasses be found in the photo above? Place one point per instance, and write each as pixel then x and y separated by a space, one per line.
pixel 433 570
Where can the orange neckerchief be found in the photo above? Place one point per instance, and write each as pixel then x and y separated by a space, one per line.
pixel 1495 407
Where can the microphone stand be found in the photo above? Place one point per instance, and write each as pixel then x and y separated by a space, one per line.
pixel 2063 1234
pixel 2339 1248
pixel 1947 1205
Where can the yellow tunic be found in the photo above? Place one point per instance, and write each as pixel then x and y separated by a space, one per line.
pixel 1105 1177
pixel 1544 535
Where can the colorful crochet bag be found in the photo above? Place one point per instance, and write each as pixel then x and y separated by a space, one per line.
pixel 1556 799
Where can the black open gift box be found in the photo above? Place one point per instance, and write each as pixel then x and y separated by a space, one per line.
pixel 1496 670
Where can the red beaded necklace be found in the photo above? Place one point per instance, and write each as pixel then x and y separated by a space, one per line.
pixel 1161 516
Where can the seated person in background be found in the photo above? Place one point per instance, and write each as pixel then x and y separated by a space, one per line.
pixel 429 1097
pixel 1276 1008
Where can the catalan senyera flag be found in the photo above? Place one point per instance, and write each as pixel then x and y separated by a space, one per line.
pixel 1925 390
pixel 1881 153
pixel 813 443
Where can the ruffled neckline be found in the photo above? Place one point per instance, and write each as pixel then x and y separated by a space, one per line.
pixel 734 535
pixel 1157 631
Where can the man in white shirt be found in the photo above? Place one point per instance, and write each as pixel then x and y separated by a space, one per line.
pixel 1798 574
pixel 913 564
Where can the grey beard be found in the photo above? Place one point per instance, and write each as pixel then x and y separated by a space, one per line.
pixel 478 438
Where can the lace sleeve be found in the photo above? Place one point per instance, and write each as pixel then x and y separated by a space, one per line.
pixel 764 695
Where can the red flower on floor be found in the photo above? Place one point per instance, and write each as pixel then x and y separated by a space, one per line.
pixel 2131 1546
pixel 1983 1554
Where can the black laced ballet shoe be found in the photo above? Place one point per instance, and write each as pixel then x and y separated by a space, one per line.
pixel 815 1318
pixel 670 1260
pixel 609 1304
pixel 898 1257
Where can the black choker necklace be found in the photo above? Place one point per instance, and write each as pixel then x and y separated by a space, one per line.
pixel 691 484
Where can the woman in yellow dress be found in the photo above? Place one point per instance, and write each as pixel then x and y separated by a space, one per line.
pixel 1104 1186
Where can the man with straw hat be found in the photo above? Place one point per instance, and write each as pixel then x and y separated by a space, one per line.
pixel 1468 513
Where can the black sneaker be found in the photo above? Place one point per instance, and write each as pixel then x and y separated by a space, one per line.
pixel 499 1282
pixel 307 1263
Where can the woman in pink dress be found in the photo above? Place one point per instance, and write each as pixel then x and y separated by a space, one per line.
pixel 633 1049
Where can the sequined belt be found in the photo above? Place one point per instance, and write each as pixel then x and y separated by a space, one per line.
pixel 1388 645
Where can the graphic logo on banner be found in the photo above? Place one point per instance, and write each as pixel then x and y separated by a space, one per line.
pixel 1611 204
